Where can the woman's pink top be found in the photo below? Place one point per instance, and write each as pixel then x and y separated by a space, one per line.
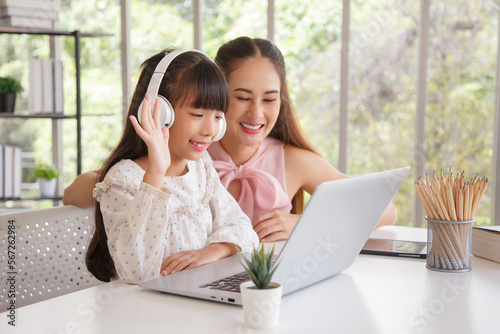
pixel 262 177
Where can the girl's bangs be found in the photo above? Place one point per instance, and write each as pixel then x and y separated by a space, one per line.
pixel 207 88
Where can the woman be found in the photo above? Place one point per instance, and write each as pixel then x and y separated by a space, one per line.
pixel 264 159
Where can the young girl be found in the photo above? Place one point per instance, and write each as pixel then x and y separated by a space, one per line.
pixel 160 205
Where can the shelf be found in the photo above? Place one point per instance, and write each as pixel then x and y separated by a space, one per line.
pixel 51 32
pixel 51 116
pixel 77 35
pixel 59 198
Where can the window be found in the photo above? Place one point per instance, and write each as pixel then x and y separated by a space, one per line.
pixel 383 51
pixel 382 74
pixel 463 51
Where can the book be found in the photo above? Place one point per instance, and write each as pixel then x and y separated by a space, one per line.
pixel 46 94
pixel 47 86
pixel 38 4
pixel 29 12
pixel 35 86
pixel 8 180
pixel 58 87
pixel 1 171
pixel 486 242
pixel 27 22
pixel 16 172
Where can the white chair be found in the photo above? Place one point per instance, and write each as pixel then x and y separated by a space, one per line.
pixel 49 255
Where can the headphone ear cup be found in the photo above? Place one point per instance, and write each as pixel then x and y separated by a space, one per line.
pixel 139 112
pixel 167 115
pixel 222 129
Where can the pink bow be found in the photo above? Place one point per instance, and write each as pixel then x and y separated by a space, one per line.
pixel 259 190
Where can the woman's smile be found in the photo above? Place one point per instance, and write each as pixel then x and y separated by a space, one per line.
pixel 251 128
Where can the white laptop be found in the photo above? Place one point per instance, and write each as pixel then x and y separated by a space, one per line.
pixel 329 235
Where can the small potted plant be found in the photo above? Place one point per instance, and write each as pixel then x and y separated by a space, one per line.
pixel 46 176
pixel 261 298
pixel 9 87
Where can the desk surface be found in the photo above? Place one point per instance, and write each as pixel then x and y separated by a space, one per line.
pixel 375 295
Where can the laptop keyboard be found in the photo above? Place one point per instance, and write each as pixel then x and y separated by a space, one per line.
pixel 229 283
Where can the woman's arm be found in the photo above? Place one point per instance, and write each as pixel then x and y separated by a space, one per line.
pixel 307 170
pixel 304 170
pixel 389 217
pixel 79 192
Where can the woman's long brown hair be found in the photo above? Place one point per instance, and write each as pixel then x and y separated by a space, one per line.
pixel 191 77
pixel 287 127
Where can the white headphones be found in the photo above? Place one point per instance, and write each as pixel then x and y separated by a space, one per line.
pixel 167 115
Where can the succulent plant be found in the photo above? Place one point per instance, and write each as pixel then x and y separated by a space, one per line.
pixel 260 268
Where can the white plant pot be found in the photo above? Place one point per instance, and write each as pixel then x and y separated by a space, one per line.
pixel 261 306
pixel 47 187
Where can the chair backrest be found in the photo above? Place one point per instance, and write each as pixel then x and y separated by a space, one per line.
pixel 42 253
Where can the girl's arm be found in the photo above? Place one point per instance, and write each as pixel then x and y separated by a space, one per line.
pixel 194 258
pixel 135 216
pixel 79 192
pixel 135 220
pixel 230 233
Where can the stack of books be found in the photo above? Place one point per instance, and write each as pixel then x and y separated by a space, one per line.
pixel 10 172
pixel 29 13
pixel 45 86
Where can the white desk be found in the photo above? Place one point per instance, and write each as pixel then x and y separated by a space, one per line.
pixel 375 295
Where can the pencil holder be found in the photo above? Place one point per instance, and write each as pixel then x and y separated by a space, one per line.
pixel 449 245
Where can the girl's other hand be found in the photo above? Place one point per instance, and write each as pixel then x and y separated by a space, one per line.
pixel 190 259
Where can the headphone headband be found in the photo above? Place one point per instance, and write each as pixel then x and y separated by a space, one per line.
pixel 167 114
pixel 161 68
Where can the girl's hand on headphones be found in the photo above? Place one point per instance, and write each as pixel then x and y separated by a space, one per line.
pixel 156 138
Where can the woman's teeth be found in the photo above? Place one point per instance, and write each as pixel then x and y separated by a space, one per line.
pixel 251 127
